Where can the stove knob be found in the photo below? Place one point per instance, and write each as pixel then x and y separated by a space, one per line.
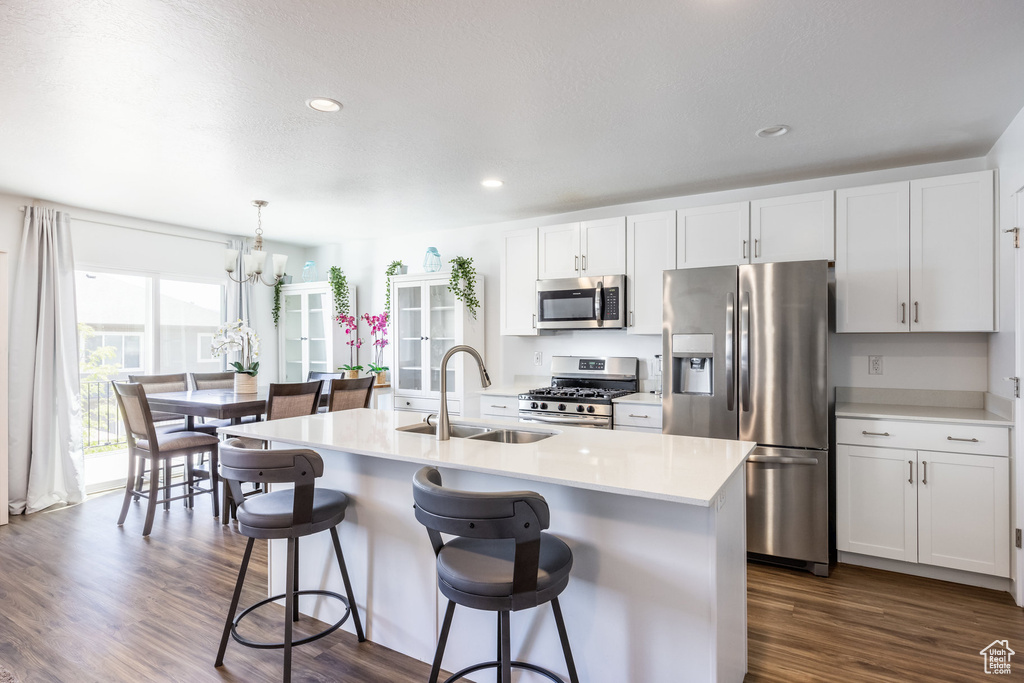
pixel 533 406
pixel 579 409
pixel 561 406
pixel 543 406
pixel 590 409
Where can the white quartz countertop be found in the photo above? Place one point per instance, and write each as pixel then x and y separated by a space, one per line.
pixel 646 398
pixel 508 389
pixel 679 469
pixel 884 411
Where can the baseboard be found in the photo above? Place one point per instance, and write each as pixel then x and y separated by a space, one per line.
pixel 996 583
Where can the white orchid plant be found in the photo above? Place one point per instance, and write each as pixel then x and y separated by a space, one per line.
pixel 238 336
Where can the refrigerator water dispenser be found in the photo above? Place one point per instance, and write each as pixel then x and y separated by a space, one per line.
pixel 693 363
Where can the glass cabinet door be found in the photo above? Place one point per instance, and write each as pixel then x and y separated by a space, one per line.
pixel 409 301
pixel 293 338
pixel 442 334
pixel 317 329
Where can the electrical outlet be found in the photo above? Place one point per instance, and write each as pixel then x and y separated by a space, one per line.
pixel 874 365
pixel 538 358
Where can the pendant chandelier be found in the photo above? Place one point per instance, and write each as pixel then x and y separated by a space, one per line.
pixel 253 264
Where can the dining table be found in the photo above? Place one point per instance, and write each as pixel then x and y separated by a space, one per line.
pixel 220 404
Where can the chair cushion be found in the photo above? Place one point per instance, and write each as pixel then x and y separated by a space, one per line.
pixel 172 441
pixel 274 510
pixel 484 566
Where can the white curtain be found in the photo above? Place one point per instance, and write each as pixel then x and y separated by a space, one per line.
pixel 239 300
pixel 46 460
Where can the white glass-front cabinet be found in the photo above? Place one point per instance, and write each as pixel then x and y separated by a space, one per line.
pixel 309 339
pixel 426 321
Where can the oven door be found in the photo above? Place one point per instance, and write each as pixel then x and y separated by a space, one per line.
pixel 581 303
pixel 593 421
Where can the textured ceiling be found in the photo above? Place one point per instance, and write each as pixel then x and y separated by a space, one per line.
pixel 185 111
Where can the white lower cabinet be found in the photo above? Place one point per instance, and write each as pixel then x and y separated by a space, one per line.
pixel 499 405
pixel 939 508
pixel 637 417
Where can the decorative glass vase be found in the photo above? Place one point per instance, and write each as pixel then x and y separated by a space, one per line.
pixel 432 260
pixel 309 273
pixel 245 384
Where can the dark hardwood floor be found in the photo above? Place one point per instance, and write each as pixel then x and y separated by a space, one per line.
pixel 82 600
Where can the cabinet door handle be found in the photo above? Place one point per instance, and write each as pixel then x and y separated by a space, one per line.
pixel 875 433
pixel 924 474
pixel 910 475
pixel 631 318
pixel 576 263
pixel 954 438
pixel 534 321
pixel 915 311
pixel 646 417
pixel 903 317
pixel 744 249
pixel 494 406
pixel 584 263
pixel 757 248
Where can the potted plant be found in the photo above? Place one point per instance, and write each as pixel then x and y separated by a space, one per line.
pixel 339 291
pixel 462 283
pixel 238 336
pixel 378 325
pixel 351 326
pixel 394 268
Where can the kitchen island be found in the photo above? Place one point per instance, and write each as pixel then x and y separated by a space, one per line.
pixel 656 524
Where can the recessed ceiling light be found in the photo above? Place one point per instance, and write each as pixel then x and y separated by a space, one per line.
pixel 492 182
pixel 324 104
pixel 772 131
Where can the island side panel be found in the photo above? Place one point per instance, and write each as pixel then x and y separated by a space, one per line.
pixel 729 528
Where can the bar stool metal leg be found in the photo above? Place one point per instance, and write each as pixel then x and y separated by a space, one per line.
pixel 289 606
pixel 506 649
pixel 348 585
pixel 564 637
pixel 234 602
pixel 442 641
pixel 295 582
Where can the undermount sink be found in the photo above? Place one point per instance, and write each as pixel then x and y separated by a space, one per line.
pixel 511 436
pixel 460 431
pixel 480 433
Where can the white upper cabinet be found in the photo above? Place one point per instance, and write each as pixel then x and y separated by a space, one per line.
pixel 603 247
pixel 650 242
pixel 559 254
pixel 796 228
pixel 873 258
pixel 713 236
pixel 916 256
pixel 519 282
pixel 590 248
pixel 951 253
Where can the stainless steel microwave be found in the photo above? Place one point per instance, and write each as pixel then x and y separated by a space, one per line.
pixel 581 303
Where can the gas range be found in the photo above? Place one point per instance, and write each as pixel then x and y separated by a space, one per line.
pixel 581 391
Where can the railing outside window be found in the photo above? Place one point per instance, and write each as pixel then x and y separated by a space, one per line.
pixel 101 421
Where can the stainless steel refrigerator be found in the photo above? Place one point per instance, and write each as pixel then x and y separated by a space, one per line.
pixel 746 357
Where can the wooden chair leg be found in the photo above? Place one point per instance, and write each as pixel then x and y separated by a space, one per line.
pixel 215 481
pixel 226 504
pixel 189 478
pixel 154 494
pixel 129 489
pixel 167 483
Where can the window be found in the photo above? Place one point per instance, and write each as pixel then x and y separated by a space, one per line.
pixel 190 313
pixel 204 348
pixel 120 349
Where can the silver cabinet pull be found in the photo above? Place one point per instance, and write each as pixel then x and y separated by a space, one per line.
pixel 924 475
pixel 534 321
pixel 915 311
pixel 584 262
pixel 903 317
pixel 631 318
pixel 875 433
pixel 910 476
pixel 953 438
pixel 744 248
pixel 757 248
pixel 646 417
pixel 577 264
pixel 494 406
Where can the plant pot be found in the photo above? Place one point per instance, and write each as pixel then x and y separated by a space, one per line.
pixel 382 377
pixel 402 270
pixel 245 384
pixel 351 374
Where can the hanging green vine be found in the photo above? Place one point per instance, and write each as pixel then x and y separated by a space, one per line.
pixel 339 287
pixel 393 269
pixel 463 270
pixel 276 310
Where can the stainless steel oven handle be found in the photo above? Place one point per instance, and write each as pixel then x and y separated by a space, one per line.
pixel 782 460
pixel 745 352
pixel 568 419
pixel 730 378
pixel 599 303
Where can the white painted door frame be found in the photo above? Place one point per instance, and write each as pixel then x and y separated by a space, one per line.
pixel 4 477
pixel 1018 409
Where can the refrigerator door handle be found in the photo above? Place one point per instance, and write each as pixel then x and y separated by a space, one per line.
pixel 745 352
pixel 730 380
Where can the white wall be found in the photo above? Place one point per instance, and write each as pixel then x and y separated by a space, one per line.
pixel 119 242
pixel 934 361
pixel 1008 156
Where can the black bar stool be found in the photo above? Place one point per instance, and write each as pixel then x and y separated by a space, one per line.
pixel 499 562
pixel 290 514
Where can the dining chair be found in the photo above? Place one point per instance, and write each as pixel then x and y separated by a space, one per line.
pixel 346 394
pixel 147 444
pixel 290 399
pixel 325 389
pixel 159 384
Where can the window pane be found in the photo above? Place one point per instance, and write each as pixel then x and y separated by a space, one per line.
pixel 111 308
pixel 190 312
